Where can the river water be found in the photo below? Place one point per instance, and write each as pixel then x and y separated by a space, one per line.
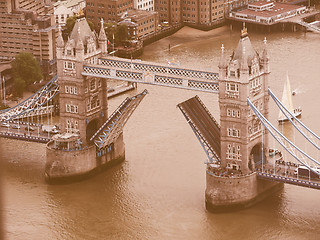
pixel 158 191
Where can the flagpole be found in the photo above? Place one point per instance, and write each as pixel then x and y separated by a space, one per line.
pixel 4 90
pixel 1 88
pixel 113 43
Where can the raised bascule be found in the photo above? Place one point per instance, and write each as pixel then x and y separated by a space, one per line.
pixel 239 170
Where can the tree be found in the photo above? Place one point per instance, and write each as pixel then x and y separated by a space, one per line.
pixel 110 30
pixel 19 85
pixel 122 33
pixel 70 24
pixel 26 71
pixel 91 25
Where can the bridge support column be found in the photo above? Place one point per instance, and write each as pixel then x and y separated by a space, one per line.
pixel 233 193
pixel 73 164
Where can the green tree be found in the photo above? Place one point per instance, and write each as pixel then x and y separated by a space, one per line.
pixel 19 85
pixel 70 24
pixel 26 71
pixel 91 25
pixel 121 33
pixel 110 29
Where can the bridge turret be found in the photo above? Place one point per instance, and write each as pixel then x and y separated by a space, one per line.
pixel 241 132
pixel 265 58
pixel 60 44
pixel 222 64
pixel 83 109
pixel 103 41
pixel 243 141
pixel 83 102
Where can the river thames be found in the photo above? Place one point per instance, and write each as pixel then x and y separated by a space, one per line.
pixel 158 191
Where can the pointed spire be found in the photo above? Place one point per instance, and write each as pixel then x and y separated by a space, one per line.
pixel 223 62
pixel 244 31
pixel 102 34
pixel 60 42
pixel 243 61
pixel 265 52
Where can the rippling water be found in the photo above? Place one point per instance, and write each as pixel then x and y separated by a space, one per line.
pixel 158 192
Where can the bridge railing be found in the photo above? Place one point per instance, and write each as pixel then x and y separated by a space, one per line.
pixel 31 138
pixel 290 180
pixel 157 68
pixel 45 94
pixel 147 77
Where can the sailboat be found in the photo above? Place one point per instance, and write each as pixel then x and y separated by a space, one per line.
pixel 287 102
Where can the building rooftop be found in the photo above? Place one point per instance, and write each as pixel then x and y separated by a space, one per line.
pixel 260 3
pixel 138 14
pixel 277 9
pixel 67 3
pixel 81 30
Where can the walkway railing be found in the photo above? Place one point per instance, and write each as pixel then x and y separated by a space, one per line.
pixel 309 26
pixel 30 138
pixel 149 73
pixel 290 180
pixel 113 127
pixel 37 100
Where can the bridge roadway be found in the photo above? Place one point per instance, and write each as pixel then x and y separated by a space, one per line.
pixel 34 134
pixel 284 174
pixel 281 171
pixel 204 122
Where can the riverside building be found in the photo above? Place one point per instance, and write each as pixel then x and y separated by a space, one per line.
pixel 28 25
pixel 266 12
pixel 108 10
pixel 196 13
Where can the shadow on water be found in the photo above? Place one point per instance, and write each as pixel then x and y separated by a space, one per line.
pixel 257 222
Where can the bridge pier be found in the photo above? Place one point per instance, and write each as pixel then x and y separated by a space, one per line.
pixel 77 163
pixel 234 193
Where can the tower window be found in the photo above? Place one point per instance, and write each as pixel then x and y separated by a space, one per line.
pixel 92 85
pixel 232 87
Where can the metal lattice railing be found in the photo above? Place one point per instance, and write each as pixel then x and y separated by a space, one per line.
pixel 147 66
pixel 113 127
pixel 153 78
pixel 33 103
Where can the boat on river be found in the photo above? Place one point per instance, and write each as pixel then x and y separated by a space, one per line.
pixel 287 102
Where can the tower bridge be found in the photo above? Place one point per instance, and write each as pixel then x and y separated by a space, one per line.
pixel 238 171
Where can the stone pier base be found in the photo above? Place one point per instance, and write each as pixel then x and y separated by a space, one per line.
pixel 69 166
pixel 234 193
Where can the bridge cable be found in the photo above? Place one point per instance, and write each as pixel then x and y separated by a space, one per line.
pixel 283 109
pixel 265 122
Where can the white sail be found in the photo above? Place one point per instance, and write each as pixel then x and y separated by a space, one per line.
pixel 286 99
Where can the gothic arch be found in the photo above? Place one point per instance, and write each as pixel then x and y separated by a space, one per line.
pixel 255 157
pixel 92 128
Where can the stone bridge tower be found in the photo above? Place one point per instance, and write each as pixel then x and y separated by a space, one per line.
pixel 243 139
pixel 83 100
pixel 244 76
pixel 83 109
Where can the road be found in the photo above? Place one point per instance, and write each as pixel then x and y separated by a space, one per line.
pixel 203 121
